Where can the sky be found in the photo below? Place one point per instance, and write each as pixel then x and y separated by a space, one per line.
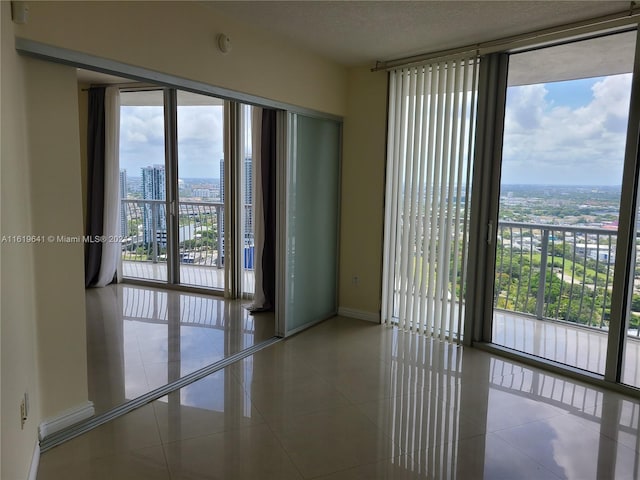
pixel 200 139
pixel 566 133
pixel 555 133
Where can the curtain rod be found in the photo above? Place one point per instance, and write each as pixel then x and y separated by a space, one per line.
pixel 614 20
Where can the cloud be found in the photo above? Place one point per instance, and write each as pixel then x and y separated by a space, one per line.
pixel 200 122
pixel 200 139
pixel 141 124
pixel 548 142
pixel 525 107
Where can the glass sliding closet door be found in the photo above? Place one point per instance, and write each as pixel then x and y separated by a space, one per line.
pixel 311 222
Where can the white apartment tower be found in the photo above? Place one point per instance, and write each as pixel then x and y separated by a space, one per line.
pixel 153 188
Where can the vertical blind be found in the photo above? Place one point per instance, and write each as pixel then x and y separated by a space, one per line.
pixel 429 159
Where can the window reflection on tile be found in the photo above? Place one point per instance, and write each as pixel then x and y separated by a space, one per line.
pixel 350 400
pixel 482 416
pixel 141 338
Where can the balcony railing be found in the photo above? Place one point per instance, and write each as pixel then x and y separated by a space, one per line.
pixel 200 227
pixel 145 226
pixel 556 272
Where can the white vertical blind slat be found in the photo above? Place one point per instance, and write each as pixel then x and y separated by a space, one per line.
pixel 453 239
pixel 469 166
pixel 434 267
pixel 410 189
pixel 426 304
pixel 461 164
pixel 443 228
pixel 434 185
pixel 399 172
pixel 430 142
pixel 415 195
pixel 407 133
pixel 419 280
pixel 391 207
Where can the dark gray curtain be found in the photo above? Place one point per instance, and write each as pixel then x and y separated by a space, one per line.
pixel 268 153
pixel 95 184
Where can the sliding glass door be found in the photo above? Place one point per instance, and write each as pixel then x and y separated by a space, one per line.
pixel 565 285
pixel 143 213
pixel 200 225
pixel 172 182
pixel 630 374
pixel 190 215
pixel 250 173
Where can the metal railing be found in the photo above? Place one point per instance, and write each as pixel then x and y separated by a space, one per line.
pixel 144 231
pixel 556 272
pixel 200 232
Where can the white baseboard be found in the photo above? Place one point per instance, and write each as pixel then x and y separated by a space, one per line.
pixel 35 462
pixel 359 314
pixel 66 419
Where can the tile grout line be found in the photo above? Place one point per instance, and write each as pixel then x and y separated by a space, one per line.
pixel 74 431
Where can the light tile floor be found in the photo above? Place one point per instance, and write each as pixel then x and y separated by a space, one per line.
pixel 351 400
pixel 141 338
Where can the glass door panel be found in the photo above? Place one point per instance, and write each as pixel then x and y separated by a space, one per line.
pixel 200 190
pixel 631 356
pixel 249 175
pixel 563 155
pixel 143 215
pixel 311 221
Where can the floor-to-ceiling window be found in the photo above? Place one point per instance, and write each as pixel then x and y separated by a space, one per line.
pixel 563 155
pixel 172 171
pixel 143 214
pixel 561 231
pixel 200 125
pixel 553 206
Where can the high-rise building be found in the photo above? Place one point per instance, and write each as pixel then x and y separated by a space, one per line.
pixel 123 211
pixel 248 201
pixel 221 217
pixel 247 196
pixel 153 188
pixel 222 180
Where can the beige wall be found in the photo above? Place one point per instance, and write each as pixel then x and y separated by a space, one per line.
pixel 18 365
pixel 56 209
pixel 363 174
pixel 286 74
pixel 42 329
pixel 43 319
pixel 179 38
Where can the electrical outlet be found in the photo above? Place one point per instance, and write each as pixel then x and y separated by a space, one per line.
pixel 355 280
pixel 23 413
pixel 24 410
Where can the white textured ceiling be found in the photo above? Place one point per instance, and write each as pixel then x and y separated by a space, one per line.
pixel 361 32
